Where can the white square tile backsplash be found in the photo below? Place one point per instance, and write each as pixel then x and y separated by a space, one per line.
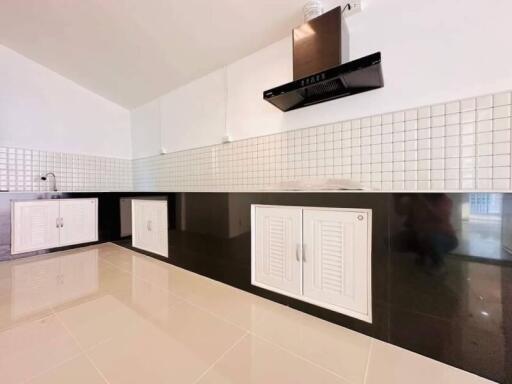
pixel 458 146
pixel 21 171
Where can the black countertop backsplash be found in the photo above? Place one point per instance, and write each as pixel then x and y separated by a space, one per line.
pixel 441 269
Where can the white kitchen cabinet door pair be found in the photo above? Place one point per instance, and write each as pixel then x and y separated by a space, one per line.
pixel 149 225
pixel 44 224
pixel 318 255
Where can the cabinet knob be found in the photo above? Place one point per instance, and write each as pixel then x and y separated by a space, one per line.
pixel 360 217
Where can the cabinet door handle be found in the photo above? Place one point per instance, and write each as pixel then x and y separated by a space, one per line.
pixel 297 252
pixel 62 222
pixel 149 225
pixel 304 253
pixel 57 224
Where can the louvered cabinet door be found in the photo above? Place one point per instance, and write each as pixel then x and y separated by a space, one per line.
pixel 276 252
pixel 78 221
pixel 34 225
pixel 336 259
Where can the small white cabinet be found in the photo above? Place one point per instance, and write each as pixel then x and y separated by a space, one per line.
pixel 43 224
pixel 149 226
pixel 317 255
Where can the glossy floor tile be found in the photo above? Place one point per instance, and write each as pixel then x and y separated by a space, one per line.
pixel 78 370
pixel 105 314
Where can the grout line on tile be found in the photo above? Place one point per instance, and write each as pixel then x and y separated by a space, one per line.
pixel 48 369
pixel 83 351
pixel 367 368
pixel 56 366
pixel 299 356
pixel 221 357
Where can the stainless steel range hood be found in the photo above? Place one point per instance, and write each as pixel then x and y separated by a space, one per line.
pixel 320 49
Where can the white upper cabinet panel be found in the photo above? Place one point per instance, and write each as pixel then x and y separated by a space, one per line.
pixel 277 248
pixel 35 225
pixel 79 221
pixel 336 258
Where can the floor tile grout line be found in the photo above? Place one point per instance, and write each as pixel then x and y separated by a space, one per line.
pixel 370 352
pixel 49 369
pixel 347 381
pixel 82 350
pixel 236 343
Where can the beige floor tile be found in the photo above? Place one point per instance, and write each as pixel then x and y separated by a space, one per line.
pixel 118 256
pixel 75 371
pixel 335 348
pixel 140 320
pixel 175 348
pixel 32 348
pixel 234 305
pixel 95 321
pixel 393 365
pixel 255 361
pixel 10 317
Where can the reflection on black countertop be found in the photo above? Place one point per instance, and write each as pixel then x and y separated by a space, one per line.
pixel 441 266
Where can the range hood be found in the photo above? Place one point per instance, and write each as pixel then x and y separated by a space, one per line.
pixel 320 48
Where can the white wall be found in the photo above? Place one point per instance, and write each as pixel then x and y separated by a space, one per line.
pixel 42 110
pixel 146 134
pixel 433 51
pixel 195 115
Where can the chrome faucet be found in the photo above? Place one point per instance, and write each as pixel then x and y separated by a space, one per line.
pixel 45 177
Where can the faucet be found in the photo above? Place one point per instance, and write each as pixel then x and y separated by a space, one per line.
pixel 45 177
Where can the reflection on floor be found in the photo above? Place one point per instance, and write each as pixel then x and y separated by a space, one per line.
pixel 105 314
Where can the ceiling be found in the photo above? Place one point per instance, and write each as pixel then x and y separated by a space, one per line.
pixel 132 51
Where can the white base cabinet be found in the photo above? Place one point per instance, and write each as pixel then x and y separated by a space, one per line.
pixel 149 226
pixel 43 224
pixel 318 255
